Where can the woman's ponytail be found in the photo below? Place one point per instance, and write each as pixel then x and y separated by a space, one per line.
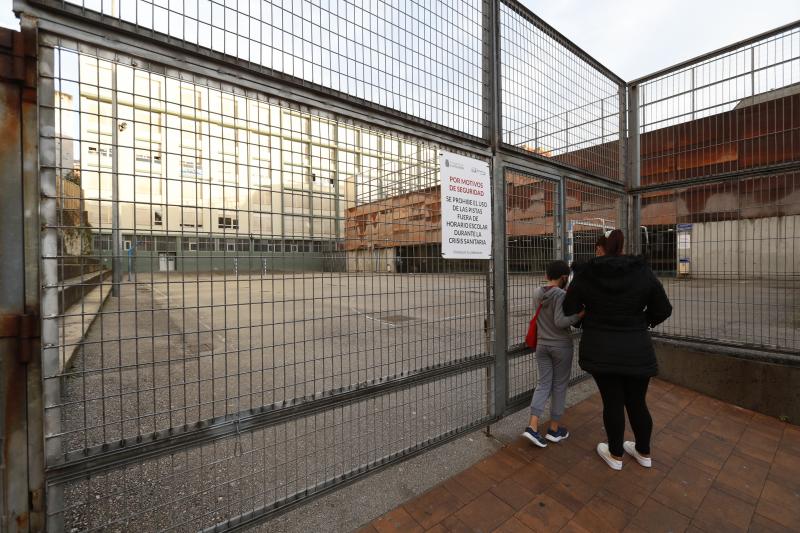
pixel 615 243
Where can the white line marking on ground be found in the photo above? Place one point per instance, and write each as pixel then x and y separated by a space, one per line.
pixel 366 315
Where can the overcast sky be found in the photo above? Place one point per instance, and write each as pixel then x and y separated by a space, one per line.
pixel 636 37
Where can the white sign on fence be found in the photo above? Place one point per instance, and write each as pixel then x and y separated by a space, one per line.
pixel 466 207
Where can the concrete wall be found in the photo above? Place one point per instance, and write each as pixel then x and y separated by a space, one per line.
pixel 750 248
pixel 769 384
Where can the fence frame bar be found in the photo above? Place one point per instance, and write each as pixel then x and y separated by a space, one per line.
pixel 22 476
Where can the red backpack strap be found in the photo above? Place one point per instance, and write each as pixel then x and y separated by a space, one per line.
pixel 531 337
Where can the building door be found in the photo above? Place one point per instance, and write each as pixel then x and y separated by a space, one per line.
pixel 166 261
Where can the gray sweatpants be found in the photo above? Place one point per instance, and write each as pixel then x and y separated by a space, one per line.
pixel 555 367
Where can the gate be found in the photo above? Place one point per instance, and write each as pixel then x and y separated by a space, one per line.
pixel 244 299
pixel 236 263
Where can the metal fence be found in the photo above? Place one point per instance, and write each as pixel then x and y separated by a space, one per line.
pixel 558 102
pixel 719 147
pixel 248 264
pixel 243 298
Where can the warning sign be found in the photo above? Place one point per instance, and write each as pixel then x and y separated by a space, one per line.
pixel 466 207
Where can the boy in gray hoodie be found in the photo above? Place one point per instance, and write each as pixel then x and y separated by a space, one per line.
pixel 553 354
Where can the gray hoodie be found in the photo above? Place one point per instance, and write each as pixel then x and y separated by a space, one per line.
pixel 553 328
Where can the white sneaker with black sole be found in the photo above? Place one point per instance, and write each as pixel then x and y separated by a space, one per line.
pixel 630 449
pixel 605 455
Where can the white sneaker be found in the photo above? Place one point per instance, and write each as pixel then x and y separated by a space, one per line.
pixel 605 455
pixel 630 449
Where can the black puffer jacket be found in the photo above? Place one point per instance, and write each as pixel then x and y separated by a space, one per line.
pixel 623 298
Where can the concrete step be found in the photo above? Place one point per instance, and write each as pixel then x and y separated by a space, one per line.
pixel 75 289
pixel 74 267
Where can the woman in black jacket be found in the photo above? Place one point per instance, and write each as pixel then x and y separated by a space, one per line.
pixel 622 298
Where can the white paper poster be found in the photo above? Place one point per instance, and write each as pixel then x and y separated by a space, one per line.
pixel 466 207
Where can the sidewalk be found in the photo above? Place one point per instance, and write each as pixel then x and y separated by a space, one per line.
pixel 717 467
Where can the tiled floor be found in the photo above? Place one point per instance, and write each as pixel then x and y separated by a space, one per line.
pixel 717 468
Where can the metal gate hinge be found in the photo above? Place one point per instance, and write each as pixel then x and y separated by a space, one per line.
pixel 24 328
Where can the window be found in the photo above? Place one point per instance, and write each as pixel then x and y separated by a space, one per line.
pixel 234 245
pixel 165 244
pixel 104 151
pixel 264 245
pixel 190 244
pixel 157 218
pixel 227 222
pixel 143 243
pixel 206 245
pixel 148 162
pixel 99 156
pixel 103 243
pixel 191 169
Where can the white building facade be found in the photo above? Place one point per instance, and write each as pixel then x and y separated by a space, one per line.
pixel 212 169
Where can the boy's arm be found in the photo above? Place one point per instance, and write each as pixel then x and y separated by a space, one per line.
pixel 563 321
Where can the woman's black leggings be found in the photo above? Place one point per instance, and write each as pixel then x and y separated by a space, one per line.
pixel 622 393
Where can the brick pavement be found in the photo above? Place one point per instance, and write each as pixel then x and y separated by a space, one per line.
pixel 716 467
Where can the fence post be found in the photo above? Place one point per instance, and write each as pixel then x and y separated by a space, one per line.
pixel 492 128
pixel 632 171
pixel 22 498
pixel 491 73
pixel 500 283
pixel 116 260
pixel 563 244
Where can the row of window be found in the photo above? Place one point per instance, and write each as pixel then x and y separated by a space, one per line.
pixel 152 243
pixel 204 244
pixel 212 244
pixel 279 246
pixel 149 243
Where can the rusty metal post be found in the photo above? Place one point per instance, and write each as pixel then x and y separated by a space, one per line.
pixel 21 428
